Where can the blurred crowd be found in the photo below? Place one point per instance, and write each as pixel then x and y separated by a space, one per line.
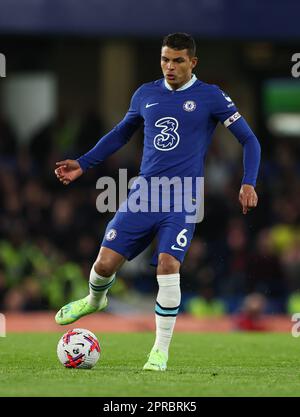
pixel 50 234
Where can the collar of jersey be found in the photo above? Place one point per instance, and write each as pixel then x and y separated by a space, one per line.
pixel 185 86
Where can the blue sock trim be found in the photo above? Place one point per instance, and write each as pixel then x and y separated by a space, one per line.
pixel 166 311
pixel 100 288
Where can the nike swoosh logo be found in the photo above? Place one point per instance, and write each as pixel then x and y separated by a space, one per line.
pixel 174 248
pixel 150 105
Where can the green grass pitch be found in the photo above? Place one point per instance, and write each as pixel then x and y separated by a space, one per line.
pixel 200 365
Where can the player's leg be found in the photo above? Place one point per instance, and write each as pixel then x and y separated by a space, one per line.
pixel 126 235
pixel 101 279
pixel 166 310
pixel 102 276
pixel 174 238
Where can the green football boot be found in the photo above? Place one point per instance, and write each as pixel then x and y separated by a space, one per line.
pixel 77 309
pixel 157 361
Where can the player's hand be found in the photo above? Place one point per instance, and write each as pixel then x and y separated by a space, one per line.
pixel 248 197
pixel 68 170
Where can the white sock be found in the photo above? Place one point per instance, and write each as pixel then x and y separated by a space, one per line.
pixel 166 309
pixel 98 287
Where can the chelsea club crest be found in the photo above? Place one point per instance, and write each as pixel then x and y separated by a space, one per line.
pixel 189 105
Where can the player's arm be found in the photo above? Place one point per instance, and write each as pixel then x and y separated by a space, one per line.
pixel 69 170
pixel 225 111
pixel 251 160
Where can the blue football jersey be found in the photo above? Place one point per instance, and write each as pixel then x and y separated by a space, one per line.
pixel 178 127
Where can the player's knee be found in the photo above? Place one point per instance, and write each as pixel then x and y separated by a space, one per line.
pixel 105 268
pixel 167 264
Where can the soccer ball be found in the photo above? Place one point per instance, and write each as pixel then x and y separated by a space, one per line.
pixel 78 348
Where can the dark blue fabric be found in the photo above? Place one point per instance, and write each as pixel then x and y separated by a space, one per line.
pixel 178 128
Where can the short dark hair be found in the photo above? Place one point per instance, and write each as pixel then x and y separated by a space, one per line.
pixel 181 41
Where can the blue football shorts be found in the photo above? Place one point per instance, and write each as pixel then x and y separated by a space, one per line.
pixel 130 233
